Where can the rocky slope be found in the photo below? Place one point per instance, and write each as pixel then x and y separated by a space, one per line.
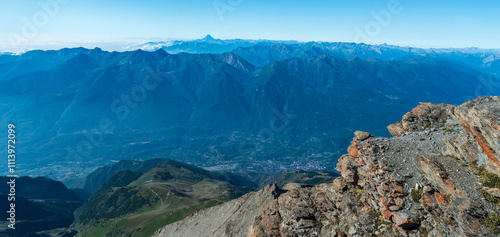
pixel 438 176
pixel 229 219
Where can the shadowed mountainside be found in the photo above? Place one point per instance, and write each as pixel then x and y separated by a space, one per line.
pixel 214 111
pixel 40 205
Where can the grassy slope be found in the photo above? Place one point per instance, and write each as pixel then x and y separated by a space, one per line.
pixel 134 204
pixel 145 224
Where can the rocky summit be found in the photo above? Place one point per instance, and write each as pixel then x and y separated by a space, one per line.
pixel 438 176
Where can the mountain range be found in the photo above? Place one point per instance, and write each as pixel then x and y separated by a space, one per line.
pixel 267 108
pixel 262 52
pixel 208 44
pixel 175 138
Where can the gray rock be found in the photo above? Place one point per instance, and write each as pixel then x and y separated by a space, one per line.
pixel 360 135
pixel 352 230
pixel 427 189
pixel 290 186
pixel 492 191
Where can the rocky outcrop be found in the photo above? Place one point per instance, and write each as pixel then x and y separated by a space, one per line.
pixel 438 176
pixel 426 115
pixel 480 119
pixel 417 183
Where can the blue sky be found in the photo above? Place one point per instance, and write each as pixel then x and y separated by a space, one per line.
pixel 422 23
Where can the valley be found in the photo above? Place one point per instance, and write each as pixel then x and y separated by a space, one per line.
pixel 294 110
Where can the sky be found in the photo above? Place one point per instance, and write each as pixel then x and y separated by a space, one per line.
pixel 112 24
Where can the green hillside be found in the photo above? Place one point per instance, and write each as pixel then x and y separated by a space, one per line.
pixel 136 203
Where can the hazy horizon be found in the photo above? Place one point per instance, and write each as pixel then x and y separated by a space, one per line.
pixel 112 25
pixel 133 45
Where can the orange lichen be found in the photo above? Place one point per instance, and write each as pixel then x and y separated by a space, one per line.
pixel 417 111
pixel 406 126
pixel 426 199
pixel 397 188
pixel 352 150
pixel 452 188
pixel 431 204
pixel 385 187
pixel 473 229
pixel 399 202
pixel 386 213
pixel 441 198
pixel 443 178
pixel 483 144
pixel 371 185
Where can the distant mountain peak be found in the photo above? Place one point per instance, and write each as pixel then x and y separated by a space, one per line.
pixel 208 38
pixel 161 52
